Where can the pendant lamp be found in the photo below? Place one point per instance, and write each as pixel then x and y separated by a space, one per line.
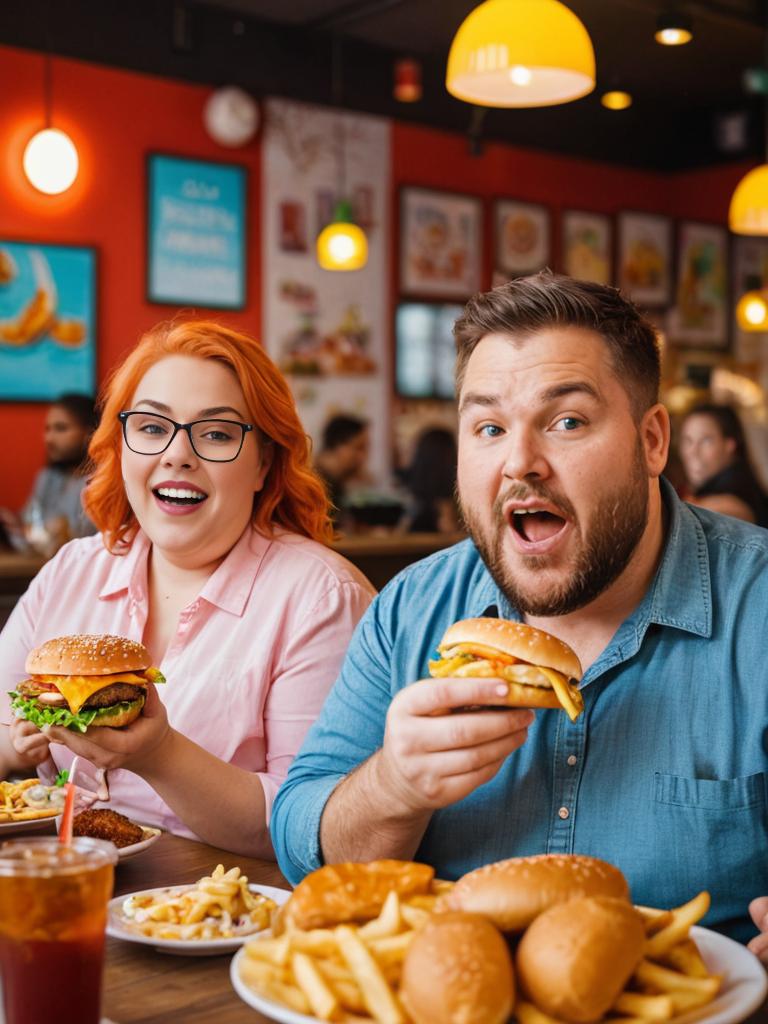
pixel 748 212
pixel 50 159
pixel 521 53
pixel 752 307
pixel 342 244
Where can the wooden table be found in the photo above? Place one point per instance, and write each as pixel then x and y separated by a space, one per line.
pixel 142 986
pixel 145 987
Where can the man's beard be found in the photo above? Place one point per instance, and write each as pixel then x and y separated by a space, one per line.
pixel 617 527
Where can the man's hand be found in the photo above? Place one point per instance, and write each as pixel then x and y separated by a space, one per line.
pixel 431 758
pixel 131 747
pixel 29 744
pixel 758 908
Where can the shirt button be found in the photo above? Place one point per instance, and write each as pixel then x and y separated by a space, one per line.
pixel 564 813
pixel 572 760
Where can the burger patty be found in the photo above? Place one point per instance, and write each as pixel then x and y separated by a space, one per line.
pixel 114 694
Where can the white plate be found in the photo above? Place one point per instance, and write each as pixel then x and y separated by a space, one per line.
pixel 745 983
pixel 11 828
pixel 117 928
pixel 151 835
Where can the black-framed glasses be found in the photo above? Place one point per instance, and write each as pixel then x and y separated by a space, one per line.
pixel 149 433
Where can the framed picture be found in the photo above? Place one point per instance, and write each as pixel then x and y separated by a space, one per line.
pixel 425 350
pixel 47 320
pixel 645 258
pixel 522 238
pixel 440 243
pixel 196 213
pixel 586 246
pixel 700 317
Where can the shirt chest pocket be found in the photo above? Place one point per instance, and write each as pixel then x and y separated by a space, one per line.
pixel 711 795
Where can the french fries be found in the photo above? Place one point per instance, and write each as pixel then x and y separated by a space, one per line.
pixel 351 974
pixel 16 804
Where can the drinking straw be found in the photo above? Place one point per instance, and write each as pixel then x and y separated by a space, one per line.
pixel 65 831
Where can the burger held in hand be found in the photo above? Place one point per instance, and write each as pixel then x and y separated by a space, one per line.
pixel 540 670
pixel 85 681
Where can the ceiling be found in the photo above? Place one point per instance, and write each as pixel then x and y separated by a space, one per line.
pixel 690 106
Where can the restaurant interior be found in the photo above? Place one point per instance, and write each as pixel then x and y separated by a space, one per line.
pixel 328 177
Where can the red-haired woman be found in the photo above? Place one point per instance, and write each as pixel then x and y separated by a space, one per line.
pixel 212 552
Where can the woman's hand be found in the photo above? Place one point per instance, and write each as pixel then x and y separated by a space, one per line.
pixel 758 908
pixel 30 745
pixel 132 747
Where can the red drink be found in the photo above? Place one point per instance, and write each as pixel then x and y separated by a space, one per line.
pixel 53 902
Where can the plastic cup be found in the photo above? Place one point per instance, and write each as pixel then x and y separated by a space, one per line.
pixel 53 913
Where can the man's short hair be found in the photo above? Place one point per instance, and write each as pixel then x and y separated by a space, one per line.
pixel 541 301
pixel 81 408
pixel 340 429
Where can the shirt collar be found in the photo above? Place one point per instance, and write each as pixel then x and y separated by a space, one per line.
pixel 228 588
pixel 680 594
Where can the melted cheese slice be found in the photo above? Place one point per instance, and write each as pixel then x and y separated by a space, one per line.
pixel 567 694
pixel 77 689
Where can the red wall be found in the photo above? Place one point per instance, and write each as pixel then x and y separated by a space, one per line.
pixel 115 118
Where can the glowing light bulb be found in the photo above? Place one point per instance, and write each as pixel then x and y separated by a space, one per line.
pixel 520 75
pixel 50 161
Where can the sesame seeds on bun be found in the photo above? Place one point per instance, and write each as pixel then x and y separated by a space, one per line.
pixel 87 655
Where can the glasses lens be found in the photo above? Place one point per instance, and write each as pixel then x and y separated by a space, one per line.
pixel 217 440
pixel 147 434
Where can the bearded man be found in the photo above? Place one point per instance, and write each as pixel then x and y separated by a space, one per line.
pixel 562 443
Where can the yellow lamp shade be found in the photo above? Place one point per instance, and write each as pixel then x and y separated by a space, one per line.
pixel 342 245
pixel 50 161
pixel 748 212
pixel 520 53
pixel 616 99
pixel 752 311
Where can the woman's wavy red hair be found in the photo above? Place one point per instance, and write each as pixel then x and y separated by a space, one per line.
pixel 293 496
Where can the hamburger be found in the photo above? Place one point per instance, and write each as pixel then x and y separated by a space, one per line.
pixel 541 671
pixel 85 681
pixel 513 893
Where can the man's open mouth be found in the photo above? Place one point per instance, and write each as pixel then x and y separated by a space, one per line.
pixel 179 495
pixel 536 525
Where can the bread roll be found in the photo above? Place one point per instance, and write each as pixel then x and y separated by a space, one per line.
pixel 458 970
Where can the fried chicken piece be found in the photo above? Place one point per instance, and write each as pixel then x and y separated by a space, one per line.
pixel 102 823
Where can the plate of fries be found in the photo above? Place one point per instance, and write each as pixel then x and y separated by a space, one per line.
pixel 28 805
pixel 216 914
pixel 350 974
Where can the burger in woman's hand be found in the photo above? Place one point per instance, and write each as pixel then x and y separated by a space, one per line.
pixel 85 681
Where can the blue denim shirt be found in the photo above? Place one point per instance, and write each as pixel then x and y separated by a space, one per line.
pixel 665 774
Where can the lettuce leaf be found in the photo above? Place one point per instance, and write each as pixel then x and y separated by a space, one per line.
pixel 29 709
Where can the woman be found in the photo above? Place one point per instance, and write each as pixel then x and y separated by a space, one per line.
pixel 713 450
pixel 431 479
pixel 211 552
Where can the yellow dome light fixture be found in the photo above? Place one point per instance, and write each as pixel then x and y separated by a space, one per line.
pixel 342 245
pixel 520 53
pixel 748 212
pixel 673 28
pixel 50 159
pixel 752 311
pixel 616 99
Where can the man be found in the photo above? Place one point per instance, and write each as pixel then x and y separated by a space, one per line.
pixel 346 443
pixel 561 446
pixel 54 513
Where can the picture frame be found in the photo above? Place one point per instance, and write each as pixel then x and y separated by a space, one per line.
pixel 522 238
pixel 196 232
pixel 700 317
pixel 644 257
pixel 586 246
pixel 749 262
pixel 440 243
pixel 48 297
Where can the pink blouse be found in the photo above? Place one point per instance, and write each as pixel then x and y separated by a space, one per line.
pixel 252 660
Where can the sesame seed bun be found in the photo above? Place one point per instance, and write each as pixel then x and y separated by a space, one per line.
pixel 531 645
pixel 511 893
pixel 458 969
pixel 87 655
pixel 576 957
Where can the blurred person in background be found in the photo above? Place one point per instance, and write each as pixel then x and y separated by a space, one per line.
pixel 431 480
pixel 343 457
pixel 212 552
pixel 714 452
pixel 54 511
